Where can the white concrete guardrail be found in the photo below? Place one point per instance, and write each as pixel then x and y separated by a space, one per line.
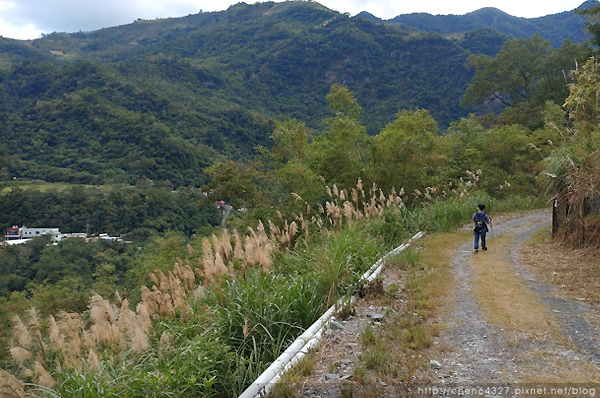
pixel 311 336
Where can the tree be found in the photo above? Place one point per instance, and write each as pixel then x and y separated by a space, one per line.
pixel 234 183
pixel 340 153
pixel 405 153
pixel 461 144
pixel 289 155
pixel 553 85
pixel 503 154
pixel 291 141
pixel 583 103
pixel 522 77
pixel 593 22
pixel 300 179
pixel 511 75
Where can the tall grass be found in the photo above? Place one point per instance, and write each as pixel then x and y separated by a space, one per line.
pixel 214 322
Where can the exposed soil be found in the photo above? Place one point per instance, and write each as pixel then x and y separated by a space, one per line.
pixel 471 352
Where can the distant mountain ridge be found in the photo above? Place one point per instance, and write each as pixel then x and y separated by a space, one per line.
pixel 164 99
pixel 554 27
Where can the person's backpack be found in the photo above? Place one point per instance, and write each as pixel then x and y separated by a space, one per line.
pixel 479 222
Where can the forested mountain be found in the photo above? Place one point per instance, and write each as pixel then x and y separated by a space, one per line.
pixel 555 28
pixel 164 99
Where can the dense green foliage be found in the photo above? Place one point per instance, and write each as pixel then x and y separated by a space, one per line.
pixel 523 76
pixel 78 123
pixel 116 210
pixel 164 99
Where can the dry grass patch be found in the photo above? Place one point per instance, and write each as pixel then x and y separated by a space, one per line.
pixel 436 257
pixel 290 381
pixel 576 272
pixel 543 366
pixel 505 299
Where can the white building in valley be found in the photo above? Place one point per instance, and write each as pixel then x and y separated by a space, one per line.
pixel 19 234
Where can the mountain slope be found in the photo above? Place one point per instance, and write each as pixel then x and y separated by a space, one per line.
pixel 281 58
pixel 163 99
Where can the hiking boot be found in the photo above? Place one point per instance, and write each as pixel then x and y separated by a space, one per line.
pixel 476 251
pixel 484 248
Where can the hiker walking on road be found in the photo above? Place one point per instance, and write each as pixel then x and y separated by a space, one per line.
pixel 481 221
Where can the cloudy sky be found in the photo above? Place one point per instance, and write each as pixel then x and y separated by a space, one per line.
pixel 28 19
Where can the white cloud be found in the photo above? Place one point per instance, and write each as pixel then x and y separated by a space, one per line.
pixel 21 32
pixel 36 16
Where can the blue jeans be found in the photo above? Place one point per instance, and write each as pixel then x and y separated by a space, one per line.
pixel 477 235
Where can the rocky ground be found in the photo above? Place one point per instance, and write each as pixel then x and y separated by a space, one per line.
pixel 340 349
pixel 471 352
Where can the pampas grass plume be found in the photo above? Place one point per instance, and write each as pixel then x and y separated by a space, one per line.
pixel 10 386
pixel 20 332
pixel 293 229
pixel 143 315
pixel 249 251
pixel 226 242
pixel 101 311
pixel 191 250
pixel 139 340
pixel 118 297
pixel 55 336
pixel 93 362
pixel 216 243
pixel 198 294
pixel 19 355
pixel 207 255
pixel 44 378
pixel 164 343
pixel 238 251
pixel 149 301
pixel 220 267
